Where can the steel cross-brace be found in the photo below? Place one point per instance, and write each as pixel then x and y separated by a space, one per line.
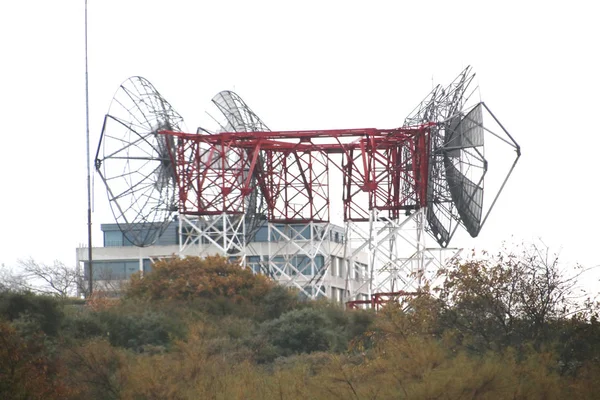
pixel 383 169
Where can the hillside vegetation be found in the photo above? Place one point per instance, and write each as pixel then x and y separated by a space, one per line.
pixel 506 327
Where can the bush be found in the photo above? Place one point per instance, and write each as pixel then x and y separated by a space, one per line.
pixel 300 331
pixel 84 325
pixel 137 331
pixel 277 301
pixel 193 278
pixel 43 312
pixel 26 369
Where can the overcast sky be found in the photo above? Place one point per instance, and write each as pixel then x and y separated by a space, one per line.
pixel 300 65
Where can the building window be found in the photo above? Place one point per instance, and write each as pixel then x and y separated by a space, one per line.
pixel 105 270
pixel 361 271
pixel 299 232
pixel 115 270
pixel 147 266
pixel 302 264
pixel 253 263
pixel 262 235
pixel 276 232
pixel 113 239
pixel 319 263
pixel 343 263
pixel 126 241
pixel 131 267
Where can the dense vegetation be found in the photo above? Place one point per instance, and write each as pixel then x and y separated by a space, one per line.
pixel 506 327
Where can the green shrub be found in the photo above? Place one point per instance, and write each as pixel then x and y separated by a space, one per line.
pixel 137 330
pixel 84 325
pixel 43 312
pixel 277 301
pixel 300 331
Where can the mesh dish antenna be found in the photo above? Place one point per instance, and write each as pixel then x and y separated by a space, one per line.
pixel 457 164
pixel 240 118
pixel 134 163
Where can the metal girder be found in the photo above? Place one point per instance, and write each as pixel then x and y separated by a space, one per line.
pixel 385 170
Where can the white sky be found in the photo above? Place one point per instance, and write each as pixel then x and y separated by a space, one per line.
pixel 314 65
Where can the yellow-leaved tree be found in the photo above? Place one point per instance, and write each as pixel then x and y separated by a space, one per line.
pixel 197 278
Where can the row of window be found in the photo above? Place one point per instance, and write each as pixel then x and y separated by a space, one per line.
pixel 300 264
pixel 115 239
pixel 339 268
pixel 115 270
pixel 337 294
pixel 279 232
pixel 294 265
pixel 123 269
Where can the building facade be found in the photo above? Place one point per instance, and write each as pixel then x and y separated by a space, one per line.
pixel 312 258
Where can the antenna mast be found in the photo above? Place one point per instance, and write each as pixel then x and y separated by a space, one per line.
pixel 87 143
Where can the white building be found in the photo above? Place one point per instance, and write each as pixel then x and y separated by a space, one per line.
pixel 309 257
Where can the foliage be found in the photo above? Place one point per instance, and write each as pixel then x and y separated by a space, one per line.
pixel 300 331
pixel 193 277
pixel 276 301
pixel 97 369
pixel 137 331
pixel 26 371
pixel 100 300
pixel 316 327
pixel 501 327
pixel 56 279
pixel 83 325
pixel 510 298
pixel 43 311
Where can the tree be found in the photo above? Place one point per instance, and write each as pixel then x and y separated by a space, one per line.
pixel 97 370
pixel 106 286
pixel 300 331
pixel 10 281
pixel 199 278
pixel 26 370
pixel 55 279
pixel 512 297
pixel 41 313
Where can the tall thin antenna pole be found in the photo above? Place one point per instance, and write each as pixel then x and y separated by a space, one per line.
pixel 87 142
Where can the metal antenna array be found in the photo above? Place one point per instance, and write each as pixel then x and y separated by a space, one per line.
pixel 397 185
pixel 133 161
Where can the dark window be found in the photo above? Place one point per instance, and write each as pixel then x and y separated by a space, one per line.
pixel 147 266
pixel 262 235
pixel 113 238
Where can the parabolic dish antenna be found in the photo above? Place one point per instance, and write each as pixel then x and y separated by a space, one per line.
pixel 240 118
pixel 457 164
pixel 133 161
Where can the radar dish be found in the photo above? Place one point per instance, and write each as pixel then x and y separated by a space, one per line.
pixel 465 167
pixel 240 118
pixel 134 163
pixel 457 164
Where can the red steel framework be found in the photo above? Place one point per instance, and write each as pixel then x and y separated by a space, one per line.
pixel 378 300
pixel 383 170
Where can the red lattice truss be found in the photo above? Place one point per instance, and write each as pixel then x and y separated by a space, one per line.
pixel 378 300
pixel 381 169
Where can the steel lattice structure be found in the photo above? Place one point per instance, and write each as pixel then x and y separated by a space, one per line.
pixel 216 173
pixel 396 185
